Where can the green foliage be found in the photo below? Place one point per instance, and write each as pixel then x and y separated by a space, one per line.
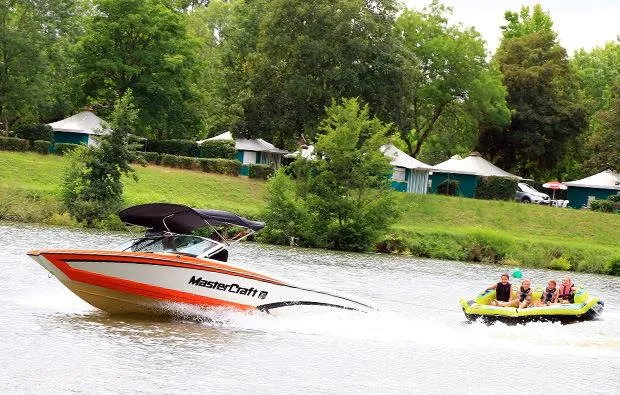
pixel 224 149
pixel 42 146
pixel 449 81
pixel 346 190
pixel 286 214
pixel 32 132
pixel 143 46
pixel 13 144
pixel 614 198
pixel 603 206
pixel 614 266
pixel 603 144
pixel 496 188
pixel 547 113
pixel 560 263
pixel 598 72
pixel 259 171
pixel 180 162
pixel 448 187
pixel 92 190
pixel 220 166
pixel 173 147
pixel 65 148
pixel 151 157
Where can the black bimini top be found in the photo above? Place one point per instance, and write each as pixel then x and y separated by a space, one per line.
pixel 178 218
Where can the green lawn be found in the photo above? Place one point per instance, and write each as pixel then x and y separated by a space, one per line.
pixel 431 225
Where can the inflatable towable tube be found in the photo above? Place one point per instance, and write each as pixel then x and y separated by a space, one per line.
pixel 585 308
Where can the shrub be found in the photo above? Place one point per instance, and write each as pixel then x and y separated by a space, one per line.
pixel 604 206
pixel 37 131
pixel 152 157
pixel 64 148
pixel 614 198
pixel 260 171
pixel 614 266
pixel 560 263
pixel 496 188
pixel 224 149
pixel 42 147
pixel 220 166
pixel 448 187
pixel 13 144
pixel 173 147
pixel 170 160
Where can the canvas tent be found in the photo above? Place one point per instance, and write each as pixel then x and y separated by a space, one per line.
pixel 252 151
pixel 466 171
pixel 79 128
pixel 599 186
pixel 409 174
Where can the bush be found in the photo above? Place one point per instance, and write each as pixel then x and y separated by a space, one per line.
pixel 560 263
pixel 64 148
pixel 448 187
pixel 604 206
pixel 152 157
pixel 496 188
pixel 32 132
pixel 223 149
pixel 173 147
pixel 260 171
pixel 614 198
pixel 614 266
pixel 220 166
pixel 42 147
pixel 13 144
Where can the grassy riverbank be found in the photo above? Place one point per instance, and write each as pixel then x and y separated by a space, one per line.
pixel 431 226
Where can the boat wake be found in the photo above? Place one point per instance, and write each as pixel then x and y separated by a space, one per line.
pixel 537 338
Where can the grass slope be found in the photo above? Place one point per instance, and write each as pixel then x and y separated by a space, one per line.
pixel 431 225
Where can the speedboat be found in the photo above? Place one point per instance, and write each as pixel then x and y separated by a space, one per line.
pixel 584 308
pixel 171 263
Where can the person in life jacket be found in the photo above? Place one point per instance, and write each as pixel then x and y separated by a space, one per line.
pixel 566 293
pixel 525 294
pixel 550 294
pixel 503 291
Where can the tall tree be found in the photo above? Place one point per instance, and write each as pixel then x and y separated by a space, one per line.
pixel 603 146
pixel 542 94
pixel 142 45
pixel 34 37
pixel 447 75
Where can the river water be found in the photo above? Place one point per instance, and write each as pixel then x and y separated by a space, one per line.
pixel 419 342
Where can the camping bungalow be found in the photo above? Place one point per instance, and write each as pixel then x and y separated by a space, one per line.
pixel 80 128
pixel 255 151
pixel 466 171
pixel 409 174
pixel 599 186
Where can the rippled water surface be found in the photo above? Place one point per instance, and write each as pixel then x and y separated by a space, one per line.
pixel 419 342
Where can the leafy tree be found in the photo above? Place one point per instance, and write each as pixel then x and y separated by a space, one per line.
pixel 542 93
pixel 598 71
pixel 343 197
pixel 92 188
pixel 142 45
pixel 604 143
pixel 448 76
pixel 34 35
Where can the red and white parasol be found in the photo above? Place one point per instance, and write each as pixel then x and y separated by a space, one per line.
pixel 554 185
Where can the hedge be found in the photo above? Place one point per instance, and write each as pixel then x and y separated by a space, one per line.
pixel 13 144
pixel 220 166
pixel 64 148
pixel 173 147
pixel 42 146
pixel 260 171
pixel 604 206
pixel 496 188
pixel 33 132
pixel 224 149
pixel 180 162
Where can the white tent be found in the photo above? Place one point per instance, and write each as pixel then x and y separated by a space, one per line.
pixel 604 180
pixel 79 128
pixel 409 174
pixel 473 164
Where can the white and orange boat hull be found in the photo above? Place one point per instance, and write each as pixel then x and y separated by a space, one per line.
pixel 141 282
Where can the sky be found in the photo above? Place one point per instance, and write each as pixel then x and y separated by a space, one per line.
pixel 579 24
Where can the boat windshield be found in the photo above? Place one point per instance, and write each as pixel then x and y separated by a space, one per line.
pixel 184 244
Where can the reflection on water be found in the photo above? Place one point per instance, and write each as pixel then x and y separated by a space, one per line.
pixel 418 342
